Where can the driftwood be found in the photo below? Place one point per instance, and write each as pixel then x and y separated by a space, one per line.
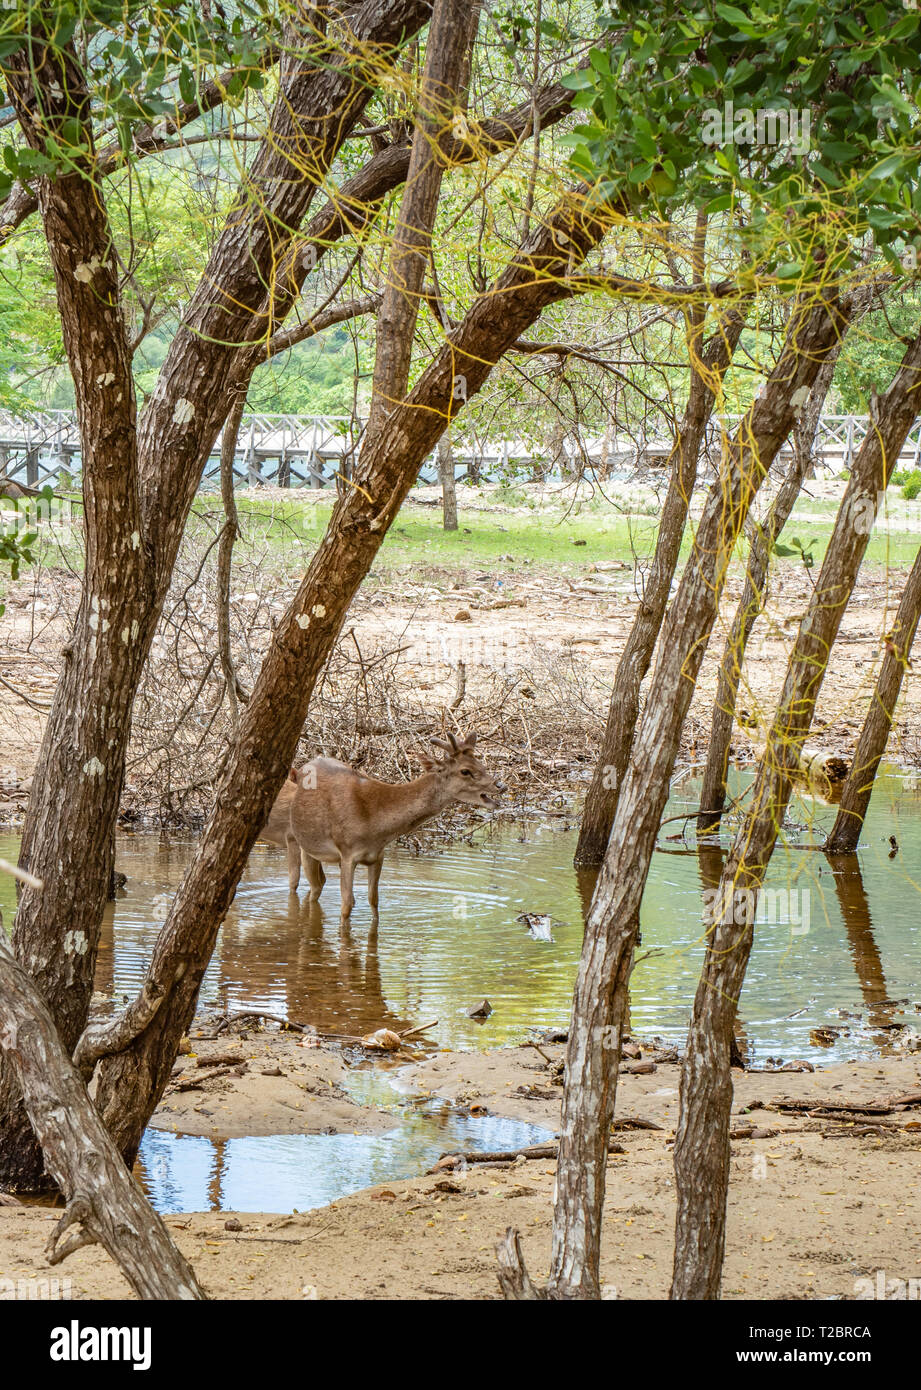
pixel 452 1160
pixel 833 1109
pixel 512 1274
pixel 308 1028
pixel 102 1198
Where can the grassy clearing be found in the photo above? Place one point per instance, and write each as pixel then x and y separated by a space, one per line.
pixel 502 530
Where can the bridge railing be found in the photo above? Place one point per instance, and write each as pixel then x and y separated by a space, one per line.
pixel 43 446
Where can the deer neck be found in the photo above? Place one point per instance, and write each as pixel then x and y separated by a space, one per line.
pixel 409 804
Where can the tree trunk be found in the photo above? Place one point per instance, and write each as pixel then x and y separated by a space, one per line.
pixel 596 1027
pixel 601 800
pixel 140 482
pixel 77 783
pixel 229 533
pixel 449 38
pixel 751 604
pixel 131 1078
pixel 100 1193
pixel 702 1142
pixel 446 478
pixel 874 735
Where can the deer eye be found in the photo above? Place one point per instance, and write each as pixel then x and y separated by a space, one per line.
pixel 465 772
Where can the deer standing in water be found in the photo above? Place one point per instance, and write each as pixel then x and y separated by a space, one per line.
pixel 327 813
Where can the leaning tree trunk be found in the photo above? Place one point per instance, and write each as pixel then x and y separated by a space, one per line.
pixel 229 532
pixel 855 798
pixel 77 783
pixel 601 799
pixel 751 604
pixel 139 483
pixel 220 341
pixel 101 1196
pixel 702 1142
pixel 596 1028
pixel 138 1050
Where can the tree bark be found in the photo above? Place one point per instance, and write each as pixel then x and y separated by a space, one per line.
pixel 101 1195
pixel 447 481
pixel 78 778
pixel 139 482
pixel 702 1142
pixel 229 533
pixel 601 800
pixel 874 735
pixel 132 1075
pixel 751 605
pixel 443 76
pixel 599 1003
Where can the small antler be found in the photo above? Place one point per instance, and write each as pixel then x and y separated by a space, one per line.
pixel 454 746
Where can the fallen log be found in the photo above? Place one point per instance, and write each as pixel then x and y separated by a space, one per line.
pixel 447 1161
pixel 819 1107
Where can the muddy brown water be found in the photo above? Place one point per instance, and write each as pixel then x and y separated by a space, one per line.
pixel 837 944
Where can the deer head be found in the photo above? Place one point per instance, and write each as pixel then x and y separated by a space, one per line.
pixel 463 776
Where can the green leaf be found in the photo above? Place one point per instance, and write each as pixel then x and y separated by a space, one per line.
pixel 577 81
pixel 734 16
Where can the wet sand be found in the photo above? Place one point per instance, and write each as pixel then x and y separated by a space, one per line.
pixel 816 1206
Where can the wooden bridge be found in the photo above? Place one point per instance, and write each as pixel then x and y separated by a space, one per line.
pixel 311 451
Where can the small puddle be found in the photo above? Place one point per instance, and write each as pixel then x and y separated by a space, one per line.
pixel 297 1172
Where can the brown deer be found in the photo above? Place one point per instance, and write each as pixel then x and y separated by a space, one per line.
pixel 327 813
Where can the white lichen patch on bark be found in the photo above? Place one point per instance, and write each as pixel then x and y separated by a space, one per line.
pixel 94 768
pixel 183 411
pixel 76 943
pixel 318 610
pixel 302 620
pixel 85 271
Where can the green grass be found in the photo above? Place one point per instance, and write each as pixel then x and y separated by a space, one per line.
pixel 500 538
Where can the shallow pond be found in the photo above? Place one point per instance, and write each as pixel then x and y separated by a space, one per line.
pixel 839 943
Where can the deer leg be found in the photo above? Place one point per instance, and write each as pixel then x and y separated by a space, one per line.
pixel 346 876
pixel 294 863
pixel 316 877
pixel 374 878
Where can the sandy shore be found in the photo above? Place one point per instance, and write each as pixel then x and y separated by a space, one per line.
pixel 817 1206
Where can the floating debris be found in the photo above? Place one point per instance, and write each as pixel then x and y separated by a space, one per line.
pixel 538 924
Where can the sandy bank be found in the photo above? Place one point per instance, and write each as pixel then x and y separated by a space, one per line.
pixel 816 1206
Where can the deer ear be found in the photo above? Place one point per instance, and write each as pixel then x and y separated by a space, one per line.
pixel 292 775
pixel 427 762
pixel 469 741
